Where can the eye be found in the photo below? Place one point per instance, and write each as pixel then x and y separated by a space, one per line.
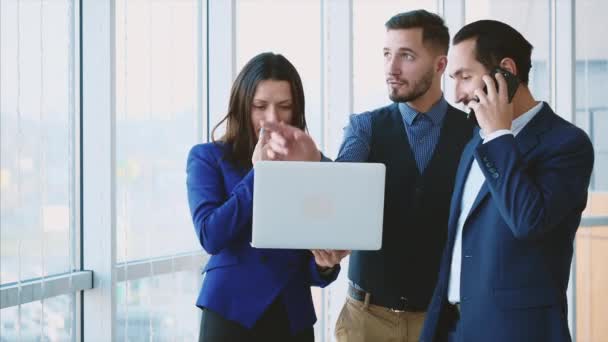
pixel 259 106
pixel 409 57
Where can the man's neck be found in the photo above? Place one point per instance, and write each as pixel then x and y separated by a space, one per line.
pixel 425 102
pixel 523 101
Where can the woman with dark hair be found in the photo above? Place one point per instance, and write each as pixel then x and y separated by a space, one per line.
pixel 251 294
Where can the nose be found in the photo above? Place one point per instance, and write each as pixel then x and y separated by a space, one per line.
pixel 271 114
pixel 392 67
pixel 460 95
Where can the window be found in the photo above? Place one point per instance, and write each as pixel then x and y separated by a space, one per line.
pixel 160 65
pixel 159 308
pixel 49 320
pixel 38 172
pixel 591 77
pixel 532 20
pixel 291 28
pixel 157 122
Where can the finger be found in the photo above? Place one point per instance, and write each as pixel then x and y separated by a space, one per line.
pixel 278 138
pixel 481 96
pixel 331 257
pixel 269 154
pixel 319 258
pixel 473 105
pixel 344 253
pixel 326 258
pixel 277 148
pixel 490 86
pixel 281 128
pixel 263 136
pixel 502 87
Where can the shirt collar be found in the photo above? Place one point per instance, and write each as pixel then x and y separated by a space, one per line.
pixel 518 124
pixel 436 113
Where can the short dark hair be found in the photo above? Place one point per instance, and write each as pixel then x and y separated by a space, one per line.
pixel 239 129
pixel 495 40
pixel 434 31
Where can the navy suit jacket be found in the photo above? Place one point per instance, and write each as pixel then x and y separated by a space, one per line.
pixel 241 281
pixel 517 240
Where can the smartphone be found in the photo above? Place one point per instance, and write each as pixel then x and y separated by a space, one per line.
pixel 512 84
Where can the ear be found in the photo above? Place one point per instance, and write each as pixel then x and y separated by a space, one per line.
pixel 441 63
pixel 509 65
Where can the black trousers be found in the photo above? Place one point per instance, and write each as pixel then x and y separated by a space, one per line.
pixel 272 326
pixel 447 327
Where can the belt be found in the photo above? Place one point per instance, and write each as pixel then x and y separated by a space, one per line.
pixel 400 304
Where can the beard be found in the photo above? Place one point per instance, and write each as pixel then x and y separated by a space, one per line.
pixel 419 88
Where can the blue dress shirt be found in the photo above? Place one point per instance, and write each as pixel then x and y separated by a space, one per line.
pixel 422 129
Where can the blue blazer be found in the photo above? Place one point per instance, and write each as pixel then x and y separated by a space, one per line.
pixel 240 281
pixel 517 239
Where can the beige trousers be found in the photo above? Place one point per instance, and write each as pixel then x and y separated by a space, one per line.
pixel 364 322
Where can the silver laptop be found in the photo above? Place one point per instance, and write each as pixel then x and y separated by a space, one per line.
pixel 318 205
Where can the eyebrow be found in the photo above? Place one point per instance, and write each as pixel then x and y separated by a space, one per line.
pixel 459 72
pixel 280 102
pixel 402 49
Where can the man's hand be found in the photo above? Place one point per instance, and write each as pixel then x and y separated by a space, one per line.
pixel 328 258
pixel 290 143
pixel 493 110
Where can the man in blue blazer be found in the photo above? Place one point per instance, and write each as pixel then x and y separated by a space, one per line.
pixel 521 187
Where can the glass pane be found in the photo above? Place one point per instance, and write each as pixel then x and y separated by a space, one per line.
pixel 157 122
pixel 298 39
pixel 159 308
pixel 591 77
pixel 37 138
pixel 48 320
pixel 532 20
pixel 369 16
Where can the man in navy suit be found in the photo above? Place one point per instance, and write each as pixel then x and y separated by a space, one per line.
pixel 521 187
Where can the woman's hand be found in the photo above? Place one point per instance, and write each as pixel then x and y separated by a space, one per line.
pixel 290 143
pixel 328 258
pixel 260 152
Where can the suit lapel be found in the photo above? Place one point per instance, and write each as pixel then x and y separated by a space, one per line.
pixel 529 137
pixel 526 140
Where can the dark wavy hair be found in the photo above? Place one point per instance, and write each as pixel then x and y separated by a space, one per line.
pixel 240 136
pixel 435 33
pixel 495 40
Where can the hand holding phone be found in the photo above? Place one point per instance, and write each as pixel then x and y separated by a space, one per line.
pixel 512 85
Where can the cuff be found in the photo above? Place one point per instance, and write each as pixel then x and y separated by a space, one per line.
pixel 496 134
